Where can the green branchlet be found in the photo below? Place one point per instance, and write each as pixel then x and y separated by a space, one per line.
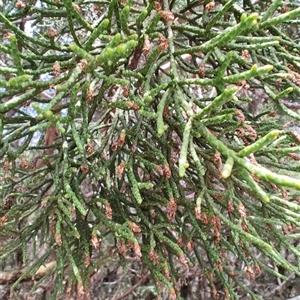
pixel 267 139
pixel 183 172
pixel 96 33
pixel 183 163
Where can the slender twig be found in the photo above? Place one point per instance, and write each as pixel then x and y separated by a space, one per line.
pixel 128 292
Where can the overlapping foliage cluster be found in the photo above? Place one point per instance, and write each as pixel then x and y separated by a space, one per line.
pixel 137 121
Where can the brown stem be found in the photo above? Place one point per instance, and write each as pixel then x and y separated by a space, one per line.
pixel 134 287
pixel 14 275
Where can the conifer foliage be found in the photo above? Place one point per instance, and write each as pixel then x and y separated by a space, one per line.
pixel 163 127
